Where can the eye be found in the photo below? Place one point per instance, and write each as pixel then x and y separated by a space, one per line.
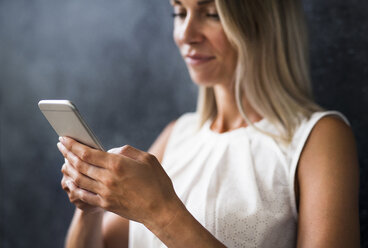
pixel 179 15
pixel 211 12
pixel 214 16
pixel 179 12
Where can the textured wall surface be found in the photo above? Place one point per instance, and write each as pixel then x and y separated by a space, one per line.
pixel 116 60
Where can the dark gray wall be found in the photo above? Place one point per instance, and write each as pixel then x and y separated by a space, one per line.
pixel 116 60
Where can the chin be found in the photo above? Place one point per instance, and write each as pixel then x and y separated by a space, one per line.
pixel 202 80
pixel 204 83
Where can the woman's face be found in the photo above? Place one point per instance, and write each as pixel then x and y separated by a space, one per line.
pixel 199 35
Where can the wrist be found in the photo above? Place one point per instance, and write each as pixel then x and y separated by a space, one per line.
pixel 85 229
pixel 84 213
pixel 165 216
pixel 178 228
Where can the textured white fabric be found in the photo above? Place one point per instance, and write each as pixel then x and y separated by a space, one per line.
pixel 238 184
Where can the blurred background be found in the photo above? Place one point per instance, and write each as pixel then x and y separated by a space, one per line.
pixel 117 62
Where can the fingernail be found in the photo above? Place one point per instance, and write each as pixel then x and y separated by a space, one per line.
pixel 61 139
pixel 59 145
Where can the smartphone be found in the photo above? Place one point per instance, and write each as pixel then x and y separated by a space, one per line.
pixel 66 120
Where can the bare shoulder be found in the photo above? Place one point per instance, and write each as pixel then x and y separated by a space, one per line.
pixel 330 139
pixel 159 146
pixel 328 176
pixel 332 127
pixel 330 148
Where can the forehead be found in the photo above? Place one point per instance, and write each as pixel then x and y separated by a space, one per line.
pixel 191 2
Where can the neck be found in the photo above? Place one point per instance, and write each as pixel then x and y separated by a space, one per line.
pixel 228 116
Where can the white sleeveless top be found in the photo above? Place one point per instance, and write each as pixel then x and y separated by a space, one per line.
pixel 239 185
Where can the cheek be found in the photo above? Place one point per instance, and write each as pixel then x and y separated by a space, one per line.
pixel 225 47
pixel 222 44
pixel 227 53
pixel 176 36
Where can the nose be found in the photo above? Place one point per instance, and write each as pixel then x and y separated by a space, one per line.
pixel 190 30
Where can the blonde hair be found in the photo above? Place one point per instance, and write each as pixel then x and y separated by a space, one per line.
pixel 272 70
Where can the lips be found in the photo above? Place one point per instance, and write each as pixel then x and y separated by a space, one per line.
pixel 197 59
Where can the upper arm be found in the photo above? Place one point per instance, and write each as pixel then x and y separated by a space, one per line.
pixel 328 175
pixel 115 229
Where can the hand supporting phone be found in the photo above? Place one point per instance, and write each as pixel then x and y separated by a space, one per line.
pixel 66 120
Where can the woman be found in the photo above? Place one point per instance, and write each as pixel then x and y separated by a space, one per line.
pixel 259 164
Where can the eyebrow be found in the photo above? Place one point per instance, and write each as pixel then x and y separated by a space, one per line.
pixel 203 2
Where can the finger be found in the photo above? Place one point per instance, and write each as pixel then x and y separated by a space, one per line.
pixel 138 155
pixel 74 192
pixel 85 153
pixel 86 169
pixel 115 150
pixel 82 181
pixel 72 195
pixel 129 156
pixel 63 168
pixel 64 186
pixel 69 183
pixel 84 196
pixel 131 152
